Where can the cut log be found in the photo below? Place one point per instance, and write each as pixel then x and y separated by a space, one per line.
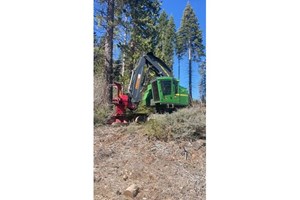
pixel 131 191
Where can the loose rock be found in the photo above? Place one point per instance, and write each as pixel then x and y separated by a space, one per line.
pixel 125 177
pixel 131 191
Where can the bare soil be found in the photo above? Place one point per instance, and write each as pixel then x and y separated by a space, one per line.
pixel 161 170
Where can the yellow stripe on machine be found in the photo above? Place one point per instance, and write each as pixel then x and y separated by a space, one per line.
pixel 138 81
pixel 182 95
pixel 165 71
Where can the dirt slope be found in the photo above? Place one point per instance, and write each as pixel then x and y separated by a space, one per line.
pixel 162 170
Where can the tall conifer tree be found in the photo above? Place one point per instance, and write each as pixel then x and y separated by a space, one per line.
pixel 104 12
pixel 109 46
pixel 189 40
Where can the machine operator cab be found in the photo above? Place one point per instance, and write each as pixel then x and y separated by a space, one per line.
pixel 166 91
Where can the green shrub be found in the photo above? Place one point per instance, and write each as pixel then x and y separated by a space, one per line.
pixel 102 114
pixel 102 109
pixel 187 123
pixel 156 127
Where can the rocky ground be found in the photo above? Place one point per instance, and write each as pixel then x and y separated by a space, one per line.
pixel 161 170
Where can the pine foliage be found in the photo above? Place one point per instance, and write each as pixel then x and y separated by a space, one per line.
pixel 190 35
pixel 202 85
pixel 165 39
pixel 143 16
pixel 99 55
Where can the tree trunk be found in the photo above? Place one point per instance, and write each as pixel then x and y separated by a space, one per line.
pixel 190 71
pixel 109 48
pixel 125 44
pixel 179 69
pixel 190 77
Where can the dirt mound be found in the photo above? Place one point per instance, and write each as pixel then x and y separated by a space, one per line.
pixel 161 170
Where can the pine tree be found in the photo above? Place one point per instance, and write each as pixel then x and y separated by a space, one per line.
pixel 165 44
pixel 202 85
pixel 189 40
pixel 106 20
pixel 142 17
pixel 109 46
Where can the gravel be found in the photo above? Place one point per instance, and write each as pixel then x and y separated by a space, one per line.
pixel 162 170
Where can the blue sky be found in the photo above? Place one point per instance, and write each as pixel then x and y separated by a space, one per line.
pixel 176 8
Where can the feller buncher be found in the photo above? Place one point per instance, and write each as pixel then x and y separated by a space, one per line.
pixel 162 92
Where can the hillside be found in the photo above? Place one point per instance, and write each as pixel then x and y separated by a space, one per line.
pixel 162 165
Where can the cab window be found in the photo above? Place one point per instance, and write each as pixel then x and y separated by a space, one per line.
pixel 166 87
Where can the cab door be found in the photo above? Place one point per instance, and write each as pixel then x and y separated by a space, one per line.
pixel 166 90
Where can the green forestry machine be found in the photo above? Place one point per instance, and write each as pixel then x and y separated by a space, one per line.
pixel 162 92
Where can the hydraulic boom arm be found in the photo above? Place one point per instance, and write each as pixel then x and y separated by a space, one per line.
pixel 141 72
